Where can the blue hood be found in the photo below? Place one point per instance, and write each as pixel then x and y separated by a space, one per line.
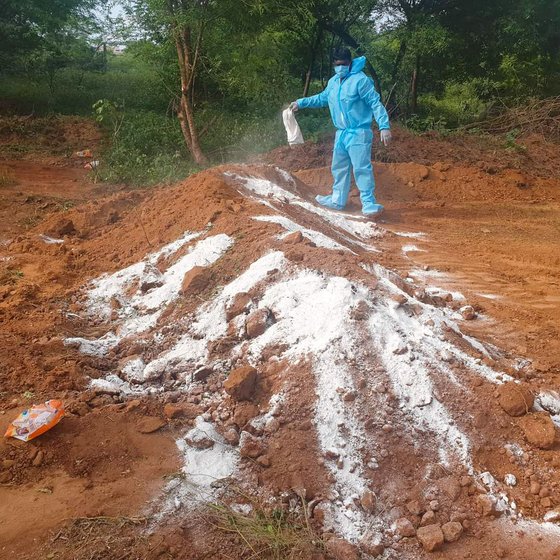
pixel 358 64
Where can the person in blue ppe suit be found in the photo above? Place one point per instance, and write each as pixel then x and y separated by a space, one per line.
pixel 353 103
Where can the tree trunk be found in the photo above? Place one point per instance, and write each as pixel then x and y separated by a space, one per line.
pixel 314 47
pixel 376 80
pixel 391 104
pixel 185 112
pixel 414 86
pixel 398 60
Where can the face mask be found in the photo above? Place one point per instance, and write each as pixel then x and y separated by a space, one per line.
pixel 342 70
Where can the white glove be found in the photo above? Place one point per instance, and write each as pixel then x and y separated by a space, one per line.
pixel 386 137
pixel 294 106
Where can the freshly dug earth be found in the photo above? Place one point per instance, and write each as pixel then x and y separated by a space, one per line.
pixel 367 380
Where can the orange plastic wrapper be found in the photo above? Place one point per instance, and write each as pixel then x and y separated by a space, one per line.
pixel 36 420
pixel 84 154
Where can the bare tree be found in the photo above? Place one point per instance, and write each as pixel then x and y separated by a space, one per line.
pixel 188 22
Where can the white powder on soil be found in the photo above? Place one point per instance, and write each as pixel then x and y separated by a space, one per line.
pixel 320 239
pixel 411 248
pixel 209 322
pixel 312 314
pixel 140 312
pixel 351 224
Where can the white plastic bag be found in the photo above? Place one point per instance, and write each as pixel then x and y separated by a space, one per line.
pixel 292 127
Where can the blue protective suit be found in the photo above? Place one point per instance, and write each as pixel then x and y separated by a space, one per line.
pixel 353 104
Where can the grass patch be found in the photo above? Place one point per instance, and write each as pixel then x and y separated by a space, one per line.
pixel 10 276
pixel 29 222
pixel 269 533
pixel 53 135
pixel 7 178
pixel 13 150
pixel 66 205
pixel 99 538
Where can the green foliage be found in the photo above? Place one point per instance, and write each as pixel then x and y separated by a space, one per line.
pixel 237 135
pixel 26 26
pixel 419 124
pixel 110 114
pixel 253 58
pixel 254 71
pixel 128 81
pixel 459 104
pixel 148 148
pixel 510 141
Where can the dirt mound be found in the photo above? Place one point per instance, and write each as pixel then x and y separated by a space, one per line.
pixel 365 393
pixel 530 153
pixel 441 184
pixel 24 137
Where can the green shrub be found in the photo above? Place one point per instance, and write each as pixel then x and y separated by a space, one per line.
pixel 128 81
pixel 147 149
pixel 459 104
pixel 420 124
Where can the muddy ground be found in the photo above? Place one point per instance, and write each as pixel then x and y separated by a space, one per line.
pixel 463 215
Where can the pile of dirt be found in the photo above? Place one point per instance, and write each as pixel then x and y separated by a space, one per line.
pixel 530 153
pixel 299 355
pixel 23 137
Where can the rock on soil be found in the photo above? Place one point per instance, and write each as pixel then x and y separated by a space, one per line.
pixel 486 505
pixel 428 518
pixel 293 238
pixel 250 446
pixel 38 460
pixel 241 382
pixel 195 280
pixel 450 487
pixel 152 278
pixel 538 429
pixel 368 501
pixel 404 527
pixel 340 549
pixel 552 516
pixel 240 303
pixel 515 398
pixel 258 322
pixel 150 424
pixel 430 537
pixel 374 550
pixel 186 410
pixel 452 531
pixel 415 507
pixel 202 373
pixel 231 436
pixel 198 439
pixel 264 461
pixel 468 313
